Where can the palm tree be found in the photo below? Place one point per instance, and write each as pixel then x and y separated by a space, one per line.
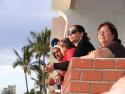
pixel 24 62
pixel 38 71
pixel 40 47
pixel 32 91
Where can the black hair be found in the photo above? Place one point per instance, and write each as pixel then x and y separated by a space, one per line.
pixel 67 43
pixel 113 30
pixel 82 29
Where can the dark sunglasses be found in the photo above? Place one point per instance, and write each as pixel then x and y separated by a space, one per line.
pixel 72 32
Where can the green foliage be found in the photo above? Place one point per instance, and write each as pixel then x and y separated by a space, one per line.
pixel 23 62
pixel 41 43
pixel 39 48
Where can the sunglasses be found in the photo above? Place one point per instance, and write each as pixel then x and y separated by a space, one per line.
pixel 72 32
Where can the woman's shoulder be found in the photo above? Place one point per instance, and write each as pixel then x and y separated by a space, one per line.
pixel 115 44
pixel 100 53
pixel 117 49
pixel 86 42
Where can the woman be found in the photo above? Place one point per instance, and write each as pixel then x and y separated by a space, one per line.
pixel 111 46
pixel 79 38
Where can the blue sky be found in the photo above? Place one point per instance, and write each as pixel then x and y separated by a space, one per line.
pixel 17 19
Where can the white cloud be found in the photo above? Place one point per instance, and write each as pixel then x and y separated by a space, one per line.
pixel 10 76
pixel 17 18
pixel 7 56
pixel 25 7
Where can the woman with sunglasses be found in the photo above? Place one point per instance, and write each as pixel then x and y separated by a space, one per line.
pixel 79 38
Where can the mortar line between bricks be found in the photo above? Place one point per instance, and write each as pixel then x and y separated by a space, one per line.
pixel 92 63
pixel 93 81
pixel 115 62
pixel 90 87
pixel 101 69
pixel 102 75
pixel 81 73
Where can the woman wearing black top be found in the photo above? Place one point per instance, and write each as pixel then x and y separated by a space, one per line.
pixel 110 43
pixel 79 38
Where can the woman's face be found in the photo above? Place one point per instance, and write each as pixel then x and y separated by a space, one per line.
pixel 105 36
pixel 74 35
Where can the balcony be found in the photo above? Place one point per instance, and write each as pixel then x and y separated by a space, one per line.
pixel 92 76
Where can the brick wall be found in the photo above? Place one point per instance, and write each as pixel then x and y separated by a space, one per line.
pixel 92 76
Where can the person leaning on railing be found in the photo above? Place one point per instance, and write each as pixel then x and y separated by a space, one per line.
pixel 62 52
pixel 111 46
pixel 79 38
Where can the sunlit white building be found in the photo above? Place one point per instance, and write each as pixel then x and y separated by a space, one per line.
pixel 88 13
pixel 11 89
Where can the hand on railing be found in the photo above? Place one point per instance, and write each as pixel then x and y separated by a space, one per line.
pixel 49 67
pixel 51 81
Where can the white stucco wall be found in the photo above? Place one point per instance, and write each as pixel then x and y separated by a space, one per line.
pixel 91 20
pixel 121 27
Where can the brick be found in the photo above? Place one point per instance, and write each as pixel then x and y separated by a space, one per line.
pixel 75 75
pixel 67 77
pixel 67 89
pixel 67 80
pixel 67 74
pixel 80 87
pixel 98 88
pixel 91 75
pixel 120 64
pixel 70 65
pixel 103 63
pixel 112 75
pixel 82 63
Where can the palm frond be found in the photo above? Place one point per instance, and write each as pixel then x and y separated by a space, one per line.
pixel 37 62
pixel 29 40
pixel 36 82
pixel 36 68
pixel 17 63
pixel 33 34
pixel 17 54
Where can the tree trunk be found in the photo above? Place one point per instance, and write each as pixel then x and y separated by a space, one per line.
pixel 40 79
pixel 44 84
pixel 26 83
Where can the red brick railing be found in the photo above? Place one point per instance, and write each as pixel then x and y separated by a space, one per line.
pixel 92 76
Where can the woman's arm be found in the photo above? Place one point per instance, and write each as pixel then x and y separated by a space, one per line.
pixel 100 53
pixel 57 66
pixel 61 66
